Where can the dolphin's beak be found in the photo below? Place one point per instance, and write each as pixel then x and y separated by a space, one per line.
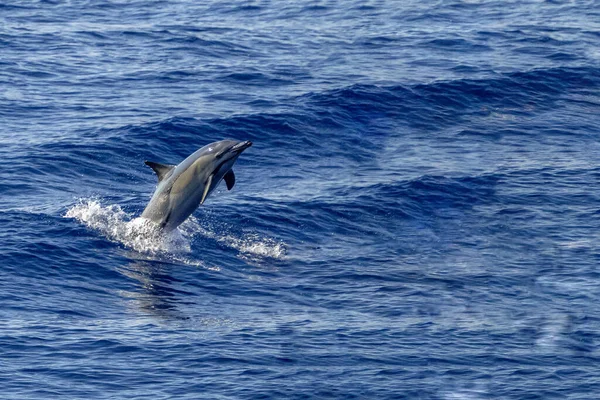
pixel 241 146
pixel 234 150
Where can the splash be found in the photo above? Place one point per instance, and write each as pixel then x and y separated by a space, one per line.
pixel 139 234
pixel 249 245
pixel 254 246
pixel 143 236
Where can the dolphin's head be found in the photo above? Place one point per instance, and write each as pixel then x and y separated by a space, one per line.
pixel 214 161
pixel 223 154
pixel 226 150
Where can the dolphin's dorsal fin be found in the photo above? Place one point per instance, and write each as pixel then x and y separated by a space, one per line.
pixel 229 179
pixel 161 170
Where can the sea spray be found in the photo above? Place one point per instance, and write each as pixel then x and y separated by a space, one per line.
pixel 144 236
pixel 115 224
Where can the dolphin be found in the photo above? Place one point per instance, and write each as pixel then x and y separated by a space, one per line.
pixel 183 188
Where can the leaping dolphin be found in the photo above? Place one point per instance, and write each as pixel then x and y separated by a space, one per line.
pixel 183 188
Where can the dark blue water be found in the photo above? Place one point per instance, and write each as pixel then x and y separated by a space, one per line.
pixel 419 216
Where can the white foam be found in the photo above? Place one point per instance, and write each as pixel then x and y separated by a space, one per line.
pixel 139 234
pixel 144 236
pixel 249 245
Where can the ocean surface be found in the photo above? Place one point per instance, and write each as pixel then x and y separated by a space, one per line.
pixel 418 218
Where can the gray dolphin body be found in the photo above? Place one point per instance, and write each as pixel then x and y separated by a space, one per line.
pixel 183 188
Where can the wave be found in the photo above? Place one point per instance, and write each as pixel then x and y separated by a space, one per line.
pixel 539 86
pixel 346 116
pixel 348 121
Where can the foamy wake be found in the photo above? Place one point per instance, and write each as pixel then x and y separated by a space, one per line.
pixel 250 245
pixel 144 236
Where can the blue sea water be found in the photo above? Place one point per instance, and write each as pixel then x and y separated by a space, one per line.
pixel 419 216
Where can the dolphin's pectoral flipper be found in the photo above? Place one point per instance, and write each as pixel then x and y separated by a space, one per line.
pixel 229 179
pixel 206 189
pixel 162 170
